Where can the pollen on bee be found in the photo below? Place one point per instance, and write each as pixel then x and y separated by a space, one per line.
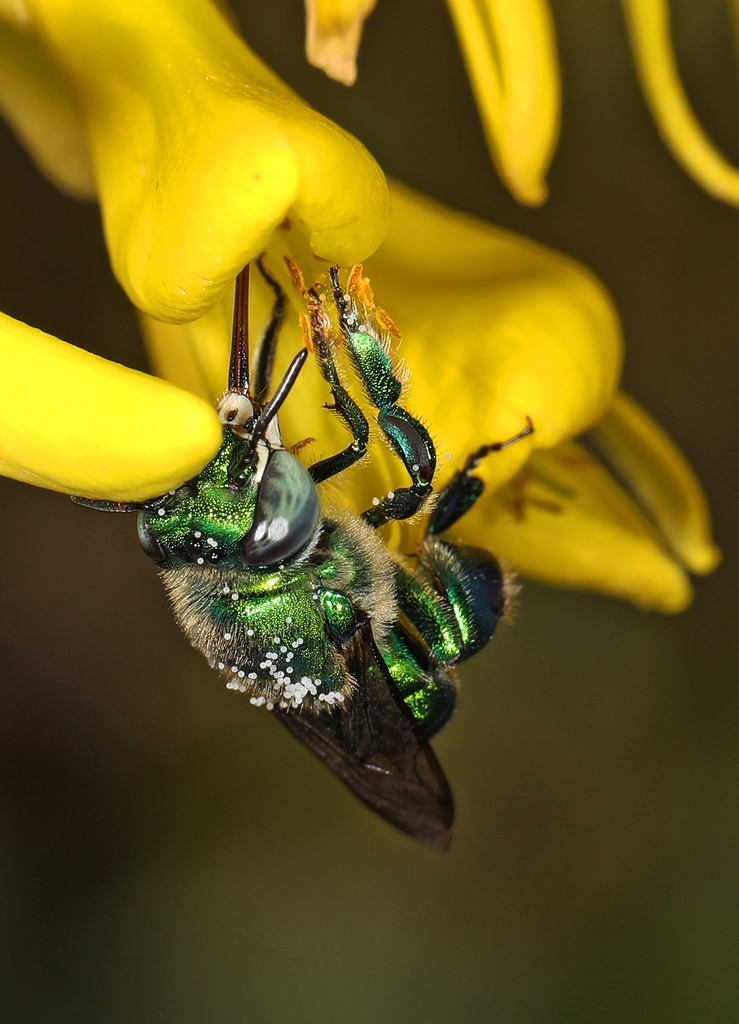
pixel 234 596
pixel 197 535
pixel 160 512
pixel 250 632
pixel 201 561
pixel 226 636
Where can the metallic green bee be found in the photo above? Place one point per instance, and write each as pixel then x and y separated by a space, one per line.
pixel 305 609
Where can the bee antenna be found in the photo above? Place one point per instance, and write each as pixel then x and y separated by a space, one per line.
pixel 238 369
pixel 283 390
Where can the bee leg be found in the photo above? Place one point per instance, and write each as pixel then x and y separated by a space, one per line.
pixel 344 405
pixel 383 385
pixel 454 599
pixel 427 690
pixel 464 488
pixel 267 344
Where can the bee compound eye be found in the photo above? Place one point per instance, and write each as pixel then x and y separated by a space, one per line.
pixel 149 541
pixel 287 512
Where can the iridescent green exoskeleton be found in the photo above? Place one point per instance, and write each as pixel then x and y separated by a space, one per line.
pixel 305 609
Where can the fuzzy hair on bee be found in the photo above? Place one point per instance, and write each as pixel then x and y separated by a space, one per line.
pixel 298 602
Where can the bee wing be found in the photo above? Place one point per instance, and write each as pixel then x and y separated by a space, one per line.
pixel 375 749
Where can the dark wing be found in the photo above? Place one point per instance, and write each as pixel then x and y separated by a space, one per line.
pixel 375 749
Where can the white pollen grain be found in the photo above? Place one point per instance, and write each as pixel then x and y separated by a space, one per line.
pixel 289 619
pixel 201 561
pixel 197 534
pixel 160 512
pixel 234 596
pixel 250 632
pixel 226 636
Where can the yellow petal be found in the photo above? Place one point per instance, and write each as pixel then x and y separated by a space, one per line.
pixel 510 51
pixel 333 32
pixel 14 12
pixel 193 356
pixel 74 422
pixel 565 521
pixel 658 474
pixel 36 104
pixel 495 329
pixel 649 28
pixel 200 152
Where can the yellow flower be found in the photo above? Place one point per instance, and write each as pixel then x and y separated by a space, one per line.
pixel 496 328
pixel 202 159
pixel 198 153
pixel 510 50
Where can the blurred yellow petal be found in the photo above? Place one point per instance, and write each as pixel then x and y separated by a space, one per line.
pixel 200 151
pixel 333 32
pixel 36 104
pixel 649 28
pixel 14 12
pixel 495 328
pixel 658 474
pixel 74 422
pixel 510 51
pixel 565 521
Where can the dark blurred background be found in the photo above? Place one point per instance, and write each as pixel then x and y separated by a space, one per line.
pixel 171 855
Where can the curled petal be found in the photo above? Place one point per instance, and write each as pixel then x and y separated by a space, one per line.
pixel 74 422
pixel 36 104
pixel 565 521
pixel 510 51
pixel 495 329
pixel 200 152
pixel 649 28
pixel 333 32
pixel 658 474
